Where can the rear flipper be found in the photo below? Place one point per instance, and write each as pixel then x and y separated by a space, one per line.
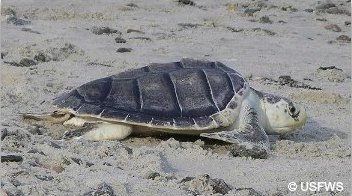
pixel 54 117
pixel 92 130
pixel 250 140
pixel 100 131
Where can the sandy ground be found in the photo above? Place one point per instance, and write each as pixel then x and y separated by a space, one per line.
pixel 51 47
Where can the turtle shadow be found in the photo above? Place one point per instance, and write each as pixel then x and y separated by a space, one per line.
pixel 314 132
pixel 166 166
pixel 164 136
pixel 217 146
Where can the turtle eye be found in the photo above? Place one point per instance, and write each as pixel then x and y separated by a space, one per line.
pixel 292 109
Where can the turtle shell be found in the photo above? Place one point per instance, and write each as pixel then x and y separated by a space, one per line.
pixel 178 95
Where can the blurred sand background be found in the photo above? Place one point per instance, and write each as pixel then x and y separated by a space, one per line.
pixel 51 47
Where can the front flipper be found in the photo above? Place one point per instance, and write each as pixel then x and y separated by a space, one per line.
pixel 246 145
pixel 249 140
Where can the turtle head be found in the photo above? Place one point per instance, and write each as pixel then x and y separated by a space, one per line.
pixel 283 116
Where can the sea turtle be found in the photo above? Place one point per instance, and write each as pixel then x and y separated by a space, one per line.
pixel 187 97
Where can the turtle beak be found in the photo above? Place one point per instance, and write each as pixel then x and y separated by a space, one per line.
pixel 301 117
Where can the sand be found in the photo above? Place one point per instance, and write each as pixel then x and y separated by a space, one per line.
pixel 51 47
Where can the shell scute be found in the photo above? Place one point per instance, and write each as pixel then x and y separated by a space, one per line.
pixel 118 115
pixel 123 95
pixel 193 93
pixel 184 122
pixel 203 121
pixel 95 91
pixel 157 96
pixel 139 118
pixel 88 108
pixel 221 87
pixel 69 100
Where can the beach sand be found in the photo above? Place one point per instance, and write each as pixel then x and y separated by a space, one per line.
pixel 51 47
